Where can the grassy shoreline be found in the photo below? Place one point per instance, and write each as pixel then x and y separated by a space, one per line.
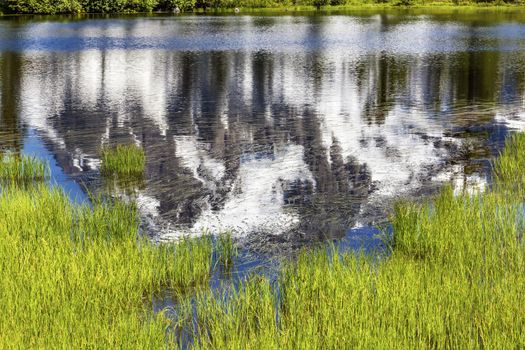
pixel 434 8
pixel 81 276
pixel 443 7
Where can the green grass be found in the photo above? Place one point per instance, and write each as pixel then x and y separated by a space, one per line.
pixel 509 174
pixel 226 250
pixel 123 161
pixel 82 277
pixel 455 279
pixel 75 7
pixel 21 169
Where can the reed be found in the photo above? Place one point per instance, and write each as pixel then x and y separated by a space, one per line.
pixel 123 161
pixel 191 262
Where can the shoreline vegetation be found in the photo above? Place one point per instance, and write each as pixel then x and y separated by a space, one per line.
pixel 84 276
pixel 48 7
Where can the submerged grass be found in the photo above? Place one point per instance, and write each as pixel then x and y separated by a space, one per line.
pixel 123 161
pixel 20 169
pixel 455 279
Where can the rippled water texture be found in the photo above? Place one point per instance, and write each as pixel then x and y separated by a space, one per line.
pixel 286 126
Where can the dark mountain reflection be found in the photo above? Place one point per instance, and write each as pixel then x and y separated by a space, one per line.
pixel 10 77
pixel 300 127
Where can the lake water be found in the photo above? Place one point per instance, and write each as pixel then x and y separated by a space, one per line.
pixel 285 129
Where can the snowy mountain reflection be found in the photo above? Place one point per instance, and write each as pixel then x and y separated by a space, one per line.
pixel 302 135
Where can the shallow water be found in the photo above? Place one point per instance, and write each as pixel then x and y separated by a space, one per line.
pixel 286 129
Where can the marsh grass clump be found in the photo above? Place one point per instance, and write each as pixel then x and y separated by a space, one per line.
pixel 80 276
pixel 509 174
pixel 462 290
pixel 454 279
pixel 126 186
pixel 244 318
pixel 124 161
pixel 21 169
pixel 192 262
pixel 226 251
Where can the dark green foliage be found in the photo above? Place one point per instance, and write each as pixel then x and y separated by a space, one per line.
pixel 405 2
pixel 113 6
pixel 319 3
pixel 338 2
pixel 137 6
pixel 42 6
pixel 78 6
pixel 169 5
pixel 98 6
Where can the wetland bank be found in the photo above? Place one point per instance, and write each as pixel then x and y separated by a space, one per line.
pixel 127 138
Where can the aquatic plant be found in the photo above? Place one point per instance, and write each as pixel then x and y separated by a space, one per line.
pixel 192 262
pixel 226 249
pixel 460 290
pixel 21 169
pixel 123 161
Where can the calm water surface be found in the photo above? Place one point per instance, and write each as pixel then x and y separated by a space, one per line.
pixel 281 128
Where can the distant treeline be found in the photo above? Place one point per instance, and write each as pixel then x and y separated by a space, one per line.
pixel 134 6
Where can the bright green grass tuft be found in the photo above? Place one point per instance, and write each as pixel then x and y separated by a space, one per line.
pixel 123 161
pixel 226 250
pixel 22 170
